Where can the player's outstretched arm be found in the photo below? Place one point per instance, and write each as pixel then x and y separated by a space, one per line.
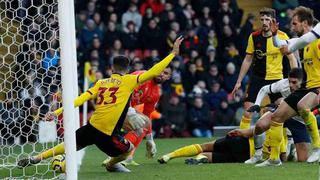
pixel 159 67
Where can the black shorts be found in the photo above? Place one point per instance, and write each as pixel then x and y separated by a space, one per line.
pixel 298 131
pixel 231 149
pixel 114 145
pixel 293 99
pixel 256 83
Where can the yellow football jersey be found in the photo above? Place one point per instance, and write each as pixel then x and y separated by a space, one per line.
pixel 113 97
pixel 311 65
pixel 267 59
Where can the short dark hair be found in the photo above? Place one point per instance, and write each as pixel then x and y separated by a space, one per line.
pixel 304 14
pixel 268 11
pixel 296 73
pixel 121 63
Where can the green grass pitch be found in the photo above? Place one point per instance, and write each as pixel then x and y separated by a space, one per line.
pixel 176 169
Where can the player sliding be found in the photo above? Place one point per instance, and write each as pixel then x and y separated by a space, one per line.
pixel 113 98
pixel 302 100
pixel 147 95
pixel 295 124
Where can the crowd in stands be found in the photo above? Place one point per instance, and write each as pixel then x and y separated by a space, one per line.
pixel 197 97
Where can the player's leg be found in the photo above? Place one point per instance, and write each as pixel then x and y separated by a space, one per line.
pixel 117 147
pixel 83 139
pixel 282 113
pixel 300 137
pixel 305 104
pixel 187 151
pixel 224 150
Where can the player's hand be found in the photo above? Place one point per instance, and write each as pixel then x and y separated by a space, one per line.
pixel 284 50
pixel 151 149
pixel 50 116
pixel 274 26
pixel 176 45
pixel 241 133
pixel 254 108
pixel 236 88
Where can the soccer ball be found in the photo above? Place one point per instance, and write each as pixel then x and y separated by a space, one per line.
pixel 58 163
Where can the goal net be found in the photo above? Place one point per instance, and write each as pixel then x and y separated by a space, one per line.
pixel 30 84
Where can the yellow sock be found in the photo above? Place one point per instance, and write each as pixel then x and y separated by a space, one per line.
pixel 58 149
pixel 186 151
pixel 245 123
pixel 276 135
pixel 115 160
pixel 312 126
pixel 284 142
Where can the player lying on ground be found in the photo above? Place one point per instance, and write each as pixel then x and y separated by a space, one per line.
pixel 113 98
pixel 300 101
pixel 295 124
pixel 230 149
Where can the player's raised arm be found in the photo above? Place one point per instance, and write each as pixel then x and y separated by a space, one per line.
pixel 294 44
pixel 159 67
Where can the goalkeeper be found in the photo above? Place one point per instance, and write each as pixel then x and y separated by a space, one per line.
pixel 146 95
pixel 113 97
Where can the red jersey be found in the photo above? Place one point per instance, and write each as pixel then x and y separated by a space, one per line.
pixel 148 94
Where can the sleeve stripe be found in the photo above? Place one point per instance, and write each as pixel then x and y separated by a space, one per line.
pixel 249 53
pixel 89 92
pixel 138 78
pixel 317 35
pixel 270 89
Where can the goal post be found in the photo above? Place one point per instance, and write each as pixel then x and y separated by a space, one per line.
pixel 37 65
pixel 69 83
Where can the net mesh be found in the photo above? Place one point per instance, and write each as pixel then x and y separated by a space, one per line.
pixel 30 84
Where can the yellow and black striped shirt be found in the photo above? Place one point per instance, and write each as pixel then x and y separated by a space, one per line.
pixel 267 59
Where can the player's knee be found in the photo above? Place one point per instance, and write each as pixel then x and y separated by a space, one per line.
pixel 302 106
pixel 206 147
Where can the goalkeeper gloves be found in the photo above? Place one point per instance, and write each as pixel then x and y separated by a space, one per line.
pixel 137 121
pixel 151 148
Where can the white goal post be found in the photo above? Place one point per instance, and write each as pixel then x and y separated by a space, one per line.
pixel 37 64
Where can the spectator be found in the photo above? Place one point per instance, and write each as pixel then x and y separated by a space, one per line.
pixel 230 77
pixel 89 32
pixel 151 37
pixel 224 116
pixel 215 96
pixel 155 5
pixel 174 115
pixel 97 19
pixel 111 34
pixel 51 58
pixel 213 75
pixel 131 15
pixel 131 37
pixel 189 78
pixel 199 119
